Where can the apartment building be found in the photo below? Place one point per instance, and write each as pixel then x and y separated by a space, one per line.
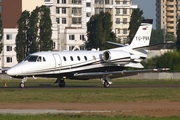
pixel 11 11
pixel 167 15
pixel 71 16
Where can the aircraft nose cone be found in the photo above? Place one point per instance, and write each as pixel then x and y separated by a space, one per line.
pixel 10 72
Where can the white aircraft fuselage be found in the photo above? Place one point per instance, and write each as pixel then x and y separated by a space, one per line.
pixel 84 65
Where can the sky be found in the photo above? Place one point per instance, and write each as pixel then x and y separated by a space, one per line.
pixel 149 9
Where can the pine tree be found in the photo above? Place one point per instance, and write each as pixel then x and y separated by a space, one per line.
pixel 33 31
pixel 22 36
pixel 178 36
pixel 135 22
pixel 45 41
pixel 99 30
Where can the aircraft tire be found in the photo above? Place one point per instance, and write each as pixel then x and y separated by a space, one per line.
pixel 106 84
pixel 21 85
pixel 62 84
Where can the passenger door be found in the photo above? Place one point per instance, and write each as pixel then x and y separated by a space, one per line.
pixel 57 63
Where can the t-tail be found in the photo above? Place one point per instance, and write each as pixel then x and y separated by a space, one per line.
pixel 142 37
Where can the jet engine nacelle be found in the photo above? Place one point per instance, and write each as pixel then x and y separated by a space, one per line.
pixel 118 55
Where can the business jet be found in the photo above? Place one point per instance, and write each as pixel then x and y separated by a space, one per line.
pixel 84 65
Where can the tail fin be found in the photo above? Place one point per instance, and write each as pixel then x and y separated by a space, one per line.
pixel 142 37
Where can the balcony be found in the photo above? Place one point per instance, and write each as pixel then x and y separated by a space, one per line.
pixel 125 6
pixel 48 3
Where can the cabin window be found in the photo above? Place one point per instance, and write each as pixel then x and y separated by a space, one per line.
pixel 85 57
pixel 71 58
pixel 39 59
pixel 78 58
pixel 64 58
pixel 44 59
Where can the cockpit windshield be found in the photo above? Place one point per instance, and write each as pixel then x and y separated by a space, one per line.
pixel 34 58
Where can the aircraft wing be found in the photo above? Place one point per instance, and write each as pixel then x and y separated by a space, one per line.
pixel 123 73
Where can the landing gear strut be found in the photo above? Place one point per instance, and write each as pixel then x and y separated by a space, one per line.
pixel 22 83
pixel 106 81
pixel 61 82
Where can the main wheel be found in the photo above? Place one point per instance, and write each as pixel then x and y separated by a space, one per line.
pixel 62 83
pixel 21 85
pixel 106 84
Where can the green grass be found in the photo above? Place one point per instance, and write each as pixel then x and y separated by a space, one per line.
pixel 92 95
pixel 80 117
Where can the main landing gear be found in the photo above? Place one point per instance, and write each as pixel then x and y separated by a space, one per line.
pixel 106 81
pixel 61 82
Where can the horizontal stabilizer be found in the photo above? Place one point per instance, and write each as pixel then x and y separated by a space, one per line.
pixel 116 44
pixel 155 46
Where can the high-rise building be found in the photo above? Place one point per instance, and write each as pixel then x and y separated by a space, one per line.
pixel 167 15
pixel 70 18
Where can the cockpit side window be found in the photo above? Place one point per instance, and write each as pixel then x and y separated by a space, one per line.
pixel 32 58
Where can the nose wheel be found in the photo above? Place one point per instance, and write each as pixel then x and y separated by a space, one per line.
pixel 22 83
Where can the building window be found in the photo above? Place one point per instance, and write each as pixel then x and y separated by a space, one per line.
pixel 57 10
pixel 54 44
pixel 119 31
pixel 57 1
pixel 117 11
pixel 124 20
pixel 124 31
pixel 63 10
pixel 88 4
pixel 9 59
pixel 76 20
pixel 46 0
pixel 8 37
pixel 71 37
pixel 117 20
pixel 82 37
pixel 124 2
pixel 63 20
pixel 57 20
pixel 88 14
pixel 106 2
pixel 9 48
pixel 124 11
pixel 63 1
pixel 71 48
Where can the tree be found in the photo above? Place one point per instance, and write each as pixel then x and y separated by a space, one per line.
pixel 33 31
pixel 21 38
pixel 99 30
pixel 157 36
pixel 1 34
pixel 178 36
pixel 45 41
pixel 135 22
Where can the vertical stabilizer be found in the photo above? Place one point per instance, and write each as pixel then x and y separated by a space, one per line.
pixel 142 37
